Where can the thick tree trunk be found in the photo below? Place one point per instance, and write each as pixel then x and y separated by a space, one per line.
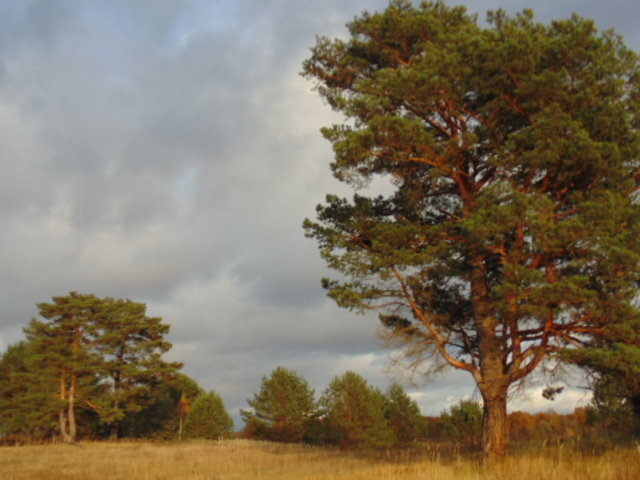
pixel 492 380
pixel 494 428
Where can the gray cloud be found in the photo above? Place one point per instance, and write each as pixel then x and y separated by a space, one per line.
pixel 167 152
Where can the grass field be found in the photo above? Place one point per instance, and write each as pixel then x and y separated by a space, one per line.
pixel 245 459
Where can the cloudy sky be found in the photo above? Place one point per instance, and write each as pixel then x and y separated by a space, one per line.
pixel 167 151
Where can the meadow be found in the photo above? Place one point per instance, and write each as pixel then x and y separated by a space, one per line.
pixel 248 459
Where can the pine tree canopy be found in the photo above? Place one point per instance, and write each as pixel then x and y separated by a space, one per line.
pixel 100 354
pixel 208 418
pixel 513 155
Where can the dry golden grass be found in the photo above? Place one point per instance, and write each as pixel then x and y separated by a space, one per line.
pixel 245 459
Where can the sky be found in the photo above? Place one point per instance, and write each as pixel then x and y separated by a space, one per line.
pixel 167 151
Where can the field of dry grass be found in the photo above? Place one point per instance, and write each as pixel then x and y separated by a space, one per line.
pixel 245 459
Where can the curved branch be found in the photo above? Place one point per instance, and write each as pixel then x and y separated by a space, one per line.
pixel 440 341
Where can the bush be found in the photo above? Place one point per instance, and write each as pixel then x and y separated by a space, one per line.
pixel 463 423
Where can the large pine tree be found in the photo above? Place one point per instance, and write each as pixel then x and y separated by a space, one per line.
pixel 62 342
pixel 513 149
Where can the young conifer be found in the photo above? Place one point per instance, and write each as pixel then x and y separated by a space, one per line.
pixel 282 409
pixel 208 418
pixel 354 413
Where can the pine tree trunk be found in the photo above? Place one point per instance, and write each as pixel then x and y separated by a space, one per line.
pixel 62 416
pixel 494 428
pixel 117 378
pixel 62 422
pixel 71 410
pixel 73 387
pixel 492 381
pixel 115 430
pixel 115 426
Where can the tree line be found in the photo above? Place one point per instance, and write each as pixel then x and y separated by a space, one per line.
pixel 351 413
pixel 92 368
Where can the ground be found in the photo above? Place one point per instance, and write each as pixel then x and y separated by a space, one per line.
pixel 246 459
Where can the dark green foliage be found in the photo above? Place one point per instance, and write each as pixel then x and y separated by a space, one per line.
pixel 26 410
pixel 63 355
pixel 511 234
pixel 613 361
pixel 131 346
pixel 160 418
pixel 351 413
pixel 615 410
pixel 208 418
pixel 88 363
pixel 283 408
pixel 354 414
pixel 403 415
pixel 463 423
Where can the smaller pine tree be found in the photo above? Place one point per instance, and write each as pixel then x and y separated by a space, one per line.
pixel 354 414
pixel 404 416
pixel 208 418
pixel 283 410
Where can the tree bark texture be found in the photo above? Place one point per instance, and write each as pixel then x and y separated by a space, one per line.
pixel 494 428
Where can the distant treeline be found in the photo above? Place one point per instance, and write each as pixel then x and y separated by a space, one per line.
pixel 351 413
